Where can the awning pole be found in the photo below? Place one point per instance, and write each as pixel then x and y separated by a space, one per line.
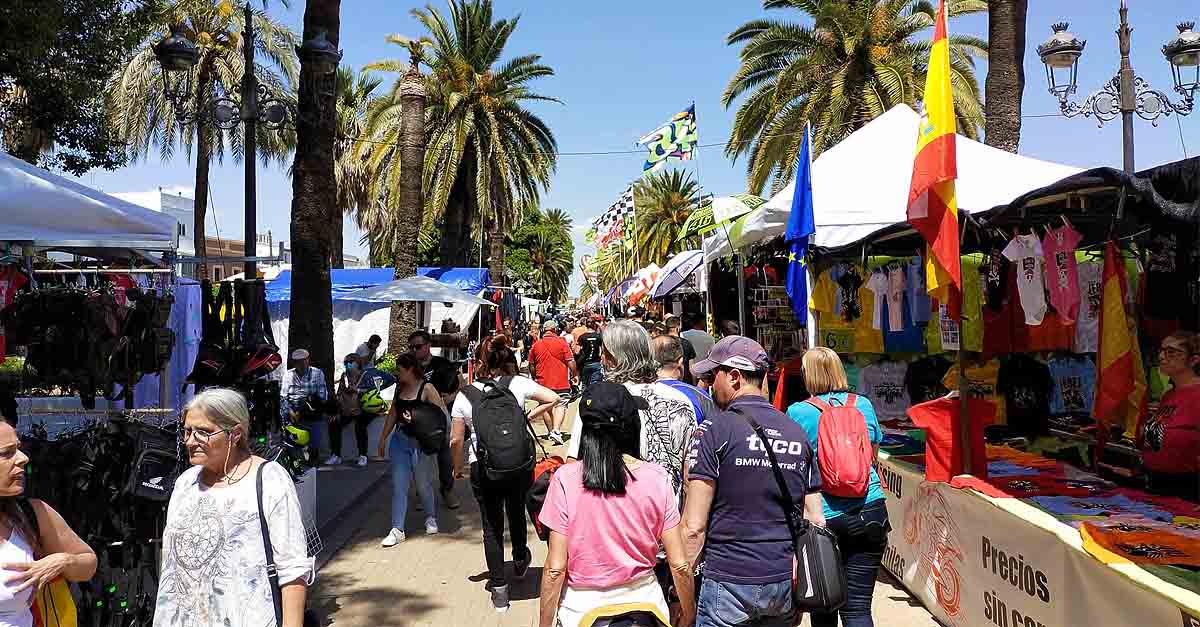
pixel 741 283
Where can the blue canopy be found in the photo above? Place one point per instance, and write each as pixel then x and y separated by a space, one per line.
pixel 470 280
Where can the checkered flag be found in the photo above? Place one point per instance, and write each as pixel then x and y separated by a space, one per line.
pixel 610 226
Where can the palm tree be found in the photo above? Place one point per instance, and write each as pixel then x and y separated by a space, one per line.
pixel 1006 73
pixel 488 156
pixel 664 200
pixel 559 219
pixel 858 59
pixel 349 163
pixel 143 117
pixel 552 259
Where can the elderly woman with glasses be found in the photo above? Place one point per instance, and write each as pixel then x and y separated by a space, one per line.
pixel 1171 435
pixel 214 568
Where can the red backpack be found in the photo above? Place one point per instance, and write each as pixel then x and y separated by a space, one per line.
pixel 843 448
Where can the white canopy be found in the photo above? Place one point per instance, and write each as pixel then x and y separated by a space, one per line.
pixel 52 211
pixel 860 186
pixel 417 288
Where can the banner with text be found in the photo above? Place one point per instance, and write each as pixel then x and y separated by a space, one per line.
pixel 974 562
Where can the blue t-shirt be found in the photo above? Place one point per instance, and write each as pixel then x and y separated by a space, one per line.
pixel 911 339
pixel 808 416
pixel 918 298
pixel 748 540
pixel 1074 386
pixel 701 401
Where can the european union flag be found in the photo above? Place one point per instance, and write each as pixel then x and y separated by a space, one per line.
pixel 800 226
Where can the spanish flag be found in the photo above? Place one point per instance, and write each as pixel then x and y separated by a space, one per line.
pixel 1121 389
pixel 932 207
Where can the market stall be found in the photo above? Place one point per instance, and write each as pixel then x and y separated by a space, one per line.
pixel 1068 292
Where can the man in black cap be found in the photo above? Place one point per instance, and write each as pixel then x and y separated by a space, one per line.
pixel 742 527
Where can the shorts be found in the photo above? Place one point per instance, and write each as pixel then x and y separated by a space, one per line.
pixel 564 396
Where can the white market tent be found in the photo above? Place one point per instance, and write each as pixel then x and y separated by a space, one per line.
pixel 50 211
pixel 860 186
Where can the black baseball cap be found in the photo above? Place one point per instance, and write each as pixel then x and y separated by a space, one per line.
pixel 607 404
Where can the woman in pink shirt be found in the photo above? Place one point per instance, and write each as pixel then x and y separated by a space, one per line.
pixel 607 516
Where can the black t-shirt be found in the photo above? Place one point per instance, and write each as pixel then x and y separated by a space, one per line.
pixel 1026 384
pixel 437 363
pixel 1171 273
pixel 689 353
pixel 589 348
pixel 850 282
pixel 995 279
pixel 923 379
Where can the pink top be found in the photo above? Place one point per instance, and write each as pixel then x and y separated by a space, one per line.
pixel 611 540
pixel 1062 275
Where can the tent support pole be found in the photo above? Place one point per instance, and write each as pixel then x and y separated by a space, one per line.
pixel 741 284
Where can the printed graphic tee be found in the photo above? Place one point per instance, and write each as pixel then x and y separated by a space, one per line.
pixel 1026 252
pixel 943 450
pixel 878 284
pixel 982 384
pixel 11 280
pixel 882 383
pixel 1087 323
pixel 895 298
pixel 1061 273
pixel 1025 383
pixel 918 295
pixel 1172 432
pixel 1074 386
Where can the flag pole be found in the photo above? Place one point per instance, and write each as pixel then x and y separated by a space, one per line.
pixel 700 185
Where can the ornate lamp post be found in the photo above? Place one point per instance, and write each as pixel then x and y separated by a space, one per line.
pixel 1126 94
pixel 178 57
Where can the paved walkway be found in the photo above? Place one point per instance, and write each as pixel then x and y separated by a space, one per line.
pixel 439 580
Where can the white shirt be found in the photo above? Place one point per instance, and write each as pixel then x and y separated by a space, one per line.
pixel 14 609
pixel 666 429
pixel 214 565
pixel 1026 252
pixel 521 387
pixel 1087 321
pixel 878 284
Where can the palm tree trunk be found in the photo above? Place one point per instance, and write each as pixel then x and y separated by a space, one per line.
pixel 403 320
pixel 496 253
pixel 1006 73
pixel 337 257
pixel 203 162
pixel 313 200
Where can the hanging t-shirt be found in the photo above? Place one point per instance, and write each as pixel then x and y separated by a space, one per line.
pixel 895 299
pixel 883 384
pixel 1087 322
pixel 850 281
pixel 11 280
pixel 853 375
pixel 878 284
pixel 1172 432
pixel 1074 386
pixel 1025 383
pixel 923 379
pixel 918 294
pixel 1169 270
pixel 982 383
pixel 1061 274
pixel 1051 335
pixel 996 277
pixel 909 339
pixel 973 296
pixel 826 300
pixel 1026 252
pixel 867 339
pixel 943 448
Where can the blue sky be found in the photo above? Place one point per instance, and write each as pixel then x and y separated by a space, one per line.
pixel 623 67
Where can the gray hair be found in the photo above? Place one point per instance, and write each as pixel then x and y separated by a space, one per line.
pixel 629 346
pixel 226 408
pixel 668 350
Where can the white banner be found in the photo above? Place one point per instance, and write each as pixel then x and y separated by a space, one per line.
pixel 975 561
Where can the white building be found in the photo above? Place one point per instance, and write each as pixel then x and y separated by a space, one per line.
pixel 182 208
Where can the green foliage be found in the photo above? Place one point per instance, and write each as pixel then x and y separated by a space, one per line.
pixel 539 251
pixel 387 363
pixel 843 64
pixel 55 59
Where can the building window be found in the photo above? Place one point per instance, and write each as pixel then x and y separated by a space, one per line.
pixel 217 273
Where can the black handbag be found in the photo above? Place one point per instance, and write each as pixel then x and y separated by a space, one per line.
pixel 310 617
pixel 818 578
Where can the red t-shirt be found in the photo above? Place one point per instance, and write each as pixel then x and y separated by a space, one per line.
pixel 11 280
pixel 943 451
pixel 1051 335
pixel 549 357
pixel 1172 432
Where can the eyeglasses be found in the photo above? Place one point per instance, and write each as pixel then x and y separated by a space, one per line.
pixel 415 347
pixel 1172 351
pixel 202 435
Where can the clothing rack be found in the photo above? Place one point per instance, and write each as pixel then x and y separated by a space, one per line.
pixel 70 271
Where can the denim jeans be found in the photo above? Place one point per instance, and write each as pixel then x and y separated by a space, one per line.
pixel 861 536
pixel 752 605
pixel 409 464
pixel 591 373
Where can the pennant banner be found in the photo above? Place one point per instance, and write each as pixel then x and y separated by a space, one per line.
pixel 610 226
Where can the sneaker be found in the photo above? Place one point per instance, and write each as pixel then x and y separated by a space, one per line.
pixel 362 461
pixel 451 501
pixel 557 438
pixel 431 527
pixel 333 460
pixel 521 566
pixel 394 537
pixel 500 599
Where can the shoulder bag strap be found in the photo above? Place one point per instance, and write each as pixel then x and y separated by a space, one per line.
pixel 789 506
pixel 272 571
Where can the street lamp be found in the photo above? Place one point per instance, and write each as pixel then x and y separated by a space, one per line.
pixel 1126 94
pixel 178 57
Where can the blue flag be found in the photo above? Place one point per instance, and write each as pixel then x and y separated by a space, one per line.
pixel 800 226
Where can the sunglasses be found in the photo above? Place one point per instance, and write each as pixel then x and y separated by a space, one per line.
pixel 413 347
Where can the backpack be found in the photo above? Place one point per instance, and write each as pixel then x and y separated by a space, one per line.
pixel 543 474
pixel 504 438
pixel 155 466
pixel 843 448
pixel 428 425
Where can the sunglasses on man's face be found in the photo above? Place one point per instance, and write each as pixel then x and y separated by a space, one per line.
pixel 416 347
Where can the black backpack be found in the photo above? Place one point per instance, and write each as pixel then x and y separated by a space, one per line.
pixel 503 434
pixel 428 425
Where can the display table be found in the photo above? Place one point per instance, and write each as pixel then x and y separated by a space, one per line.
pixel 977 561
